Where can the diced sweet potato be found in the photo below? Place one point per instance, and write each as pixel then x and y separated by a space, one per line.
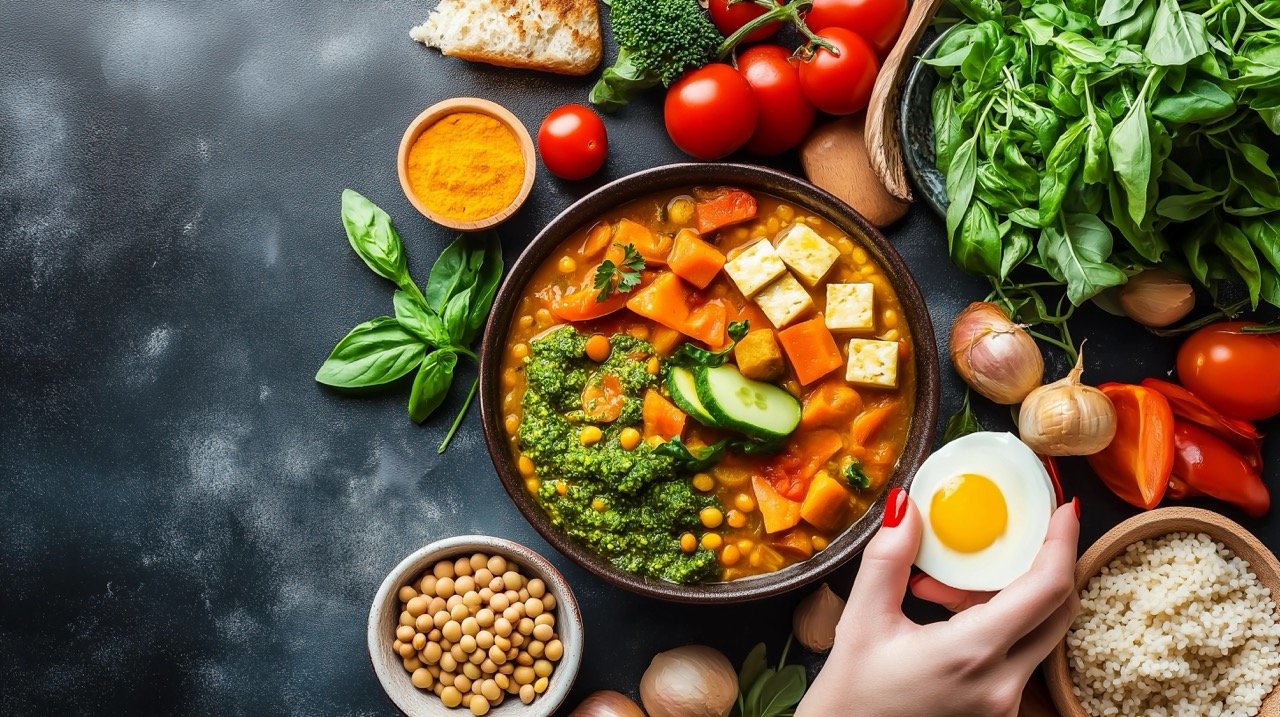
pixel 694 260
pixel 759 356
pixel 812 350
pixel 826 502
pixel 779 514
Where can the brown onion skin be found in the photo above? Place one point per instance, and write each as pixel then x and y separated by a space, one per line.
pixel 815 619
pixel 607 703
pixel 710 688
pixel 1157 297
pixel 995 356
pixel 1067 418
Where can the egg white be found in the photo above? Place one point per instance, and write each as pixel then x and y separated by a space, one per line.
pixel 1029 499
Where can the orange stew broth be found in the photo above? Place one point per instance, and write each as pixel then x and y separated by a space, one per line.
pixel 875 436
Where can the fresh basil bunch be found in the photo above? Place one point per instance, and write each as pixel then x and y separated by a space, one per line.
pixel 764 691
pixel 1094 138
pixel 431 327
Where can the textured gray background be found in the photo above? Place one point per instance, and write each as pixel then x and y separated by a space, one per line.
pixel 190 524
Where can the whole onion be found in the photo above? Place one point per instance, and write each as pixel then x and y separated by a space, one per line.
pixel 607 703
pixel 995 356
pixel 815 619
pixel 689 681
pixel 1067 418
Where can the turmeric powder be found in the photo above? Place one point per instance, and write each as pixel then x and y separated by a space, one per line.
pixel 466 166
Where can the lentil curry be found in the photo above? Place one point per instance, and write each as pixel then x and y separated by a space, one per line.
pixel 707 384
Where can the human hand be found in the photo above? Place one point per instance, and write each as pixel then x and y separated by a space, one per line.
pixel 976 663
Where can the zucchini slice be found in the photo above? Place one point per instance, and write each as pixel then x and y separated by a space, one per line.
pixel 684 393
pixel 758 409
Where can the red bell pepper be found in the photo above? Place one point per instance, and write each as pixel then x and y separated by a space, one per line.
pixel 1055 476
pixel 1209 465
pixel 1188 407
pixel 1137 464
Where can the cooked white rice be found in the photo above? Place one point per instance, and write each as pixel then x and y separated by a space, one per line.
pixel 1175 626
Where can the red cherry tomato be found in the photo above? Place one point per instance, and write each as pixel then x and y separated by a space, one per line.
pixel 786 115
pixel 1235 372
pixel 711 111
pixel 573 142
pixel 840 85
pixel 878 21
pixel 728 18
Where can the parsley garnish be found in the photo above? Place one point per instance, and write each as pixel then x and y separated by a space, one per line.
pixel 857 476
pixel 611 277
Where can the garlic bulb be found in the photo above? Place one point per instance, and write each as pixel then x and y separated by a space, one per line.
pixel 1157 297
pixel 607 703
pixel 1067 418
pixel 995 356
pixel 689 681
pixel 815 619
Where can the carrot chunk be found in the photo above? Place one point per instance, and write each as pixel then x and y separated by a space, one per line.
pixel 653 247
pixel 661 418
pixel 812 350
pixel 870 421
pixel 694 260
pixel 724 207
pixel 582 305
pixel 825 503
pixel 831 405
pixel 667 302
pixel 779 513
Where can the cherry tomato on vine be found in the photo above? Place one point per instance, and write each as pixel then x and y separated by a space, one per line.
pixel 711 111
pixel 878 21
pixel 786 115
pixel 1235 372
pixel 729 17
pixel 573 142
pixel 840 85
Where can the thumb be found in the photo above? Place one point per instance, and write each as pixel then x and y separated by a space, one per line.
pixel 886 563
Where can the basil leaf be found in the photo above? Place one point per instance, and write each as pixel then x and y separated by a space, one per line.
pixel 977 247
pixel 1079 48
pixel 1176 37
pixel 1059 169
pixel 947 127
pixel 962 176
pixel 487 281
pixel 374 239
pixel 1199 101
pixel 1117 11
pixel 1130 145
pixel 752 666
pixel 1136 28
pixel 1080 248
pixel 447 274
pixel 782 691
pixel 1235 245
pixel 1185 207
pixel 619 83
pixel 374 353
pixel 962 423
pixel 431 384
pixel 419 320
pixel 456 314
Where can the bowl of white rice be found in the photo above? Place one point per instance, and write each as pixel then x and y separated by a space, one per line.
pixel 1178 617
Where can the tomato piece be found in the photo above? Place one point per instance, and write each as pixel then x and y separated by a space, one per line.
pixel 1137 463
pixel 1209 465
pixel 711 111
pixel 603 399
pixel 1235 372
pixel 582 305
pixel 730 15
pixel 573 142
pixel 840 85
pixel 786 115
pixel 878 21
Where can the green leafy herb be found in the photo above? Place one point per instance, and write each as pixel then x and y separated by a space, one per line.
pixel 764 691
pixel 691 355
pixel 696 460
pixel 962 423
pixel 430 328
pixel 622 279
pixel 856 475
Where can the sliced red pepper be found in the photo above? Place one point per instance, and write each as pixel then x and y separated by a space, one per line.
pixel 1188 407
pixel 1055 476
pixel 1137 464
pixel 1210 465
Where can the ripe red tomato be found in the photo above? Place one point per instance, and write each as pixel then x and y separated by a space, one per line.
pixel 1236 373
pixel 840 85
pixel 573 142
pixel 878 21
pixel 728 18
pixel 786 115
pixel 711 111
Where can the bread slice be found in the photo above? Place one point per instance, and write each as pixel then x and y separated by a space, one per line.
pixel 560 36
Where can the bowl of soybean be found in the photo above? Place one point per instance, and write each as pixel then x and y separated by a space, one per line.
pixel 443 644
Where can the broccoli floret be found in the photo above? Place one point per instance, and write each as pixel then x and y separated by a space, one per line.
pixel 659 40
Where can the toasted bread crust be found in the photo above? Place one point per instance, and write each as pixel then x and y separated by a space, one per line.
pixel 530 45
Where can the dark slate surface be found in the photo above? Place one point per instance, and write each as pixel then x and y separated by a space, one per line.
pixel 190 524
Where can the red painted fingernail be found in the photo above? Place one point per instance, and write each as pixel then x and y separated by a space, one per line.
pixel 895 507
pixel 1075 502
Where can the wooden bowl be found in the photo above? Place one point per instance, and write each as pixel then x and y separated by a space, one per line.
pixel 384 617
pixel 919 441
pixel 1154 524
pixel 439 110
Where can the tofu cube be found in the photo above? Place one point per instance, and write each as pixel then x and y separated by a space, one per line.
pixel 872 363
pixel 809 255
pixel 759 357
pixel 851 307
pixel 755 267
pixel 784 301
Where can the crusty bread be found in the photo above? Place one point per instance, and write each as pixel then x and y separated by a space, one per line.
pixel 553 35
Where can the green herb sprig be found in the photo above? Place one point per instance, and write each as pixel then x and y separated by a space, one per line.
pixel 622 279
pixel 764 691
pixel 431 328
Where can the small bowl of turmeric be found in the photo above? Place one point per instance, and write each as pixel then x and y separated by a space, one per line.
pixel 466 163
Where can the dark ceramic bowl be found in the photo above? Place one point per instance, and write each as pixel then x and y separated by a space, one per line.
pixel 587 210
pixel 915 124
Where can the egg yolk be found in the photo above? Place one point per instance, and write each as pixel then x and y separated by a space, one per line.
pixel 968 513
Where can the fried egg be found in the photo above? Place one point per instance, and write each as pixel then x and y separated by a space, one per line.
pixel 986 500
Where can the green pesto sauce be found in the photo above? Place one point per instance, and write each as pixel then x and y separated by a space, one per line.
pixel 647 504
